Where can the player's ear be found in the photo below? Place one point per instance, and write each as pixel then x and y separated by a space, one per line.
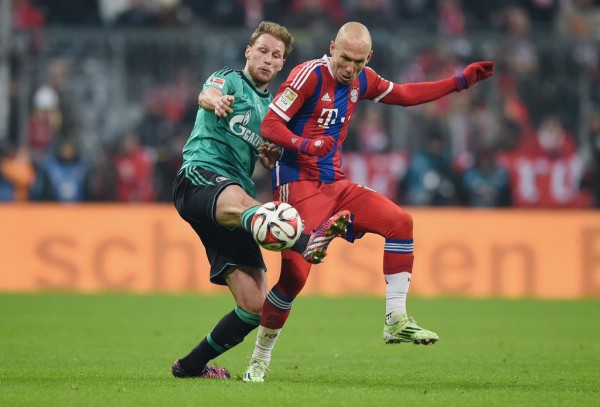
pixel 247 52
pixel 369 57
pixel 331 47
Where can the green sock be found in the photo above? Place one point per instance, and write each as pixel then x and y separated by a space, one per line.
pixel 247 217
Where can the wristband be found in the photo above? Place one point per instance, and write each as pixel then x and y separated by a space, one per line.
pixel 461 81
pixel 303 146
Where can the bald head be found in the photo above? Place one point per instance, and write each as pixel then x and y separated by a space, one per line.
pixel 350 52
pixel 354 33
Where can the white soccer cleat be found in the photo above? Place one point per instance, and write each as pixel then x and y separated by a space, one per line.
pixel 256 371
pixel 407 331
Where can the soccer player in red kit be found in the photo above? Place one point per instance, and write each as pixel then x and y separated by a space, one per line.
pixel 309 118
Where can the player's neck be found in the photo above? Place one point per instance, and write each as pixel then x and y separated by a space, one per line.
pixel 261 87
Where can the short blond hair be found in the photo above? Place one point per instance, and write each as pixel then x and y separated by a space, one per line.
pixel 277 31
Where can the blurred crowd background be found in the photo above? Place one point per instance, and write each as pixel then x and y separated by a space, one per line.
pixel 97 97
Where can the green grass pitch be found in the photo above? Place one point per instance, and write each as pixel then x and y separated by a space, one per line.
pixel 116 350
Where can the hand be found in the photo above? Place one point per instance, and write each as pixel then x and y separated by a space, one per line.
pixel 474 73
pixel 268 154
pixel 320 146
pixel 223 106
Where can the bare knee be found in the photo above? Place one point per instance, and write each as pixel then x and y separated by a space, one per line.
pixel 252 305
pixel 249 288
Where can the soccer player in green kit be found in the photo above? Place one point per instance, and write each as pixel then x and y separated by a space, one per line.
pixel 214 191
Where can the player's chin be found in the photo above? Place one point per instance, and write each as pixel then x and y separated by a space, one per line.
pixel 269 75
pixel 263 77
pixel 344 80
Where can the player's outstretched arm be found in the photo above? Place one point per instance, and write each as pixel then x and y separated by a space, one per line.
pixel 213 100
pixel 473 73
pixel 411 94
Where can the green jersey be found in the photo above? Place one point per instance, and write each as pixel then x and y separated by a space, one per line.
pixel 228 146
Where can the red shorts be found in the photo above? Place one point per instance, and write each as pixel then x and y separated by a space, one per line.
pixel 371 211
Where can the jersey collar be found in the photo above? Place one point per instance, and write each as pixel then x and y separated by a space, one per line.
pixel 250 82
pixel 328 63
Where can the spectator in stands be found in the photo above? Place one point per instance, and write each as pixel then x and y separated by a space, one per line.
pixel 372 131
pixel 45 123
pixel 153 128
pixel 520 52
pixel 55 108
pixel 103 176
pixel 545 168
pixel 16 173
pixel 451 19
pixel 64 175
pixel 486 183
pixel 430 180
pixel 135 171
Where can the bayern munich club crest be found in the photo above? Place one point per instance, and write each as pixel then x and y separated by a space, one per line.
pixel 354 94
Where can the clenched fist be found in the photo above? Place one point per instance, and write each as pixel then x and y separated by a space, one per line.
pixel 320 146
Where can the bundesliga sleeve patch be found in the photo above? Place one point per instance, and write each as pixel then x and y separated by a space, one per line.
pixel 286 99
pixel 216 82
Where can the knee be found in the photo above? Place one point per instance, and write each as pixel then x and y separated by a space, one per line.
pixel 253 307
pixel 407 220
pixel 252 304
pixel 403 223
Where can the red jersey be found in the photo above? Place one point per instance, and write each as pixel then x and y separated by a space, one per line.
pixel 313 104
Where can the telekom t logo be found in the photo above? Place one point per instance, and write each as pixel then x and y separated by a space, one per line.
pixel 327 117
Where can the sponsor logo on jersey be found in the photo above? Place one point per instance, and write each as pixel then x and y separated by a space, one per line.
pixel 221 179
pixel 286 99
pixel 326 98
pixel 217 82
pixel 329 117
pixel 238 124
